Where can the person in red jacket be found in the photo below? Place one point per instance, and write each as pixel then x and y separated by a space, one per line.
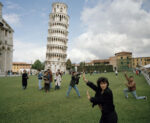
pixel 131 88
pixel 50 78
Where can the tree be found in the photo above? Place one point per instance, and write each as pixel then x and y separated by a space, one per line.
pixel 38 65
pixel 82 66
pixel 68 64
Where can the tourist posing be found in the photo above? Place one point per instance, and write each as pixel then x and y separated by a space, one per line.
pixel 131 88
pixel 40 75
pixel 46 81
pixel 57 81
pixel 50 78
pixel 24 79
pixel 73 84
pixel 103 98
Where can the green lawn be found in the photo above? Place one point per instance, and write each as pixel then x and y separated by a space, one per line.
pixel 34 106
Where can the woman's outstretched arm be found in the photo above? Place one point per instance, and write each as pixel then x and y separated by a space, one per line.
pixel 90 84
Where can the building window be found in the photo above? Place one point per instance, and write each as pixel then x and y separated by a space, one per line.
pixel 5 32
pixel 61 9
pixel 5 42
pixel 3 47
pixel 54 9
pixel 8 48
pixel 148 59
pixel 60 18
pixel 57 6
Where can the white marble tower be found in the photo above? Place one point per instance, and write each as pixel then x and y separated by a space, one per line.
pixel 57 38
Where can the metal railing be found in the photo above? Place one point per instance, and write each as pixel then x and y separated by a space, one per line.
pixel 146 75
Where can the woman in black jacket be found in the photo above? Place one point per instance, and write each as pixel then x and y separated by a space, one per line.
pixel 103 98
pixel 24 79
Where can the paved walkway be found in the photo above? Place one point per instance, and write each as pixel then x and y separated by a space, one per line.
pixel 9 75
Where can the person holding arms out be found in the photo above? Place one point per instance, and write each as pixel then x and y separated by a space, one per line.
pixel 103 98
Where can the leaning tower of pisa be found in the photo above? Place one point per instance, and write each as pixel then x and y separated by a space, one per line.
pixel 57 38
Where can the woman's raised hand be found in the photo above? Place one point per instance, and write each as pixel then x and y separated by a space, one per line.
pixel 84 79
pixel 88 95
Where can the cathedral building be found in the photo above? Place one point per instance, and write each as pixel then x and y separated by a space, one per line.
pixel 6 45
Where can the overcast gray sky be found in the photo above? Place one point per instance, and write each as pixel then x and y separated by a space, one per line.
pixel 113 26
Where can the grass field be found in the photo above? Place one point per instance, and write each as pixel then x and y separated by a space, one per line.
pixel 34 106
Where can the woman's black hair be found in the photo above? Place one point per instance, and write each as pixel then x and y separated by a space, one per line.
pixel 102 79
pixel 131 77
pixel 73 73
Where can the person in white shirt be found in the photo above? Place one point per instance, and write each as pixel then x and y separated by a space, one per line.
pixel 116 73
pixel 58 81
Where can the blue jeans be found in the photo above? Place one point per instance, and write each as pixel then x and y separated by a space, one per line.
pixel 126 91
pixel 76 89
pixel 50 85
pixel 40 86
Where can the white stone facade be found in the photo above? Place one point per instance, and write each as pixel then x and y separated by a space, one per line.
pixel 57 38
pixel 6 45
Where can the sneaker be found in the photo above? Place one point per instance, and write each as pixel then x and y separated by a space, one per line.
pixel 145 98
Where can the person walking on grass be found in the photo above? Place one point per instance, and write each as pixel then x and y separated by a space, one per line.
pixel 57 81
pixel 40 75
pixel 73 84
pixel 103 98
pixel 131 88
pixel 116 73
pixel 24 79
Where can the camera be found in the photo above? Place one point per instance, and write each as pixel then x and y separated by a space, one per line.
pixel 77 78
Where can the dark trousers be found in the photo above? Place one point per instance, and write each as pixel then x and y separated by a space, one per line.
pixel 24 85
pixel 57 87
pixel 46 86
pixel 109 118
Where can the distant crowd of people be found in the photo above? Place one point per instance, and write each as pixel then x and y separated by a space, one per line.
pixel 103 94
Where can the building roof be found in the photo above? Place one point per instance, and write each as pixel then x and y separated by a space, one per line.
pixel 1 4
pixel 20 63
pixel 100 61
pixel 59 3
pixel 147 66
pixel 88 63
pixel 6 25
pixel 75 64
pixel 123 53
pixel 140 57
